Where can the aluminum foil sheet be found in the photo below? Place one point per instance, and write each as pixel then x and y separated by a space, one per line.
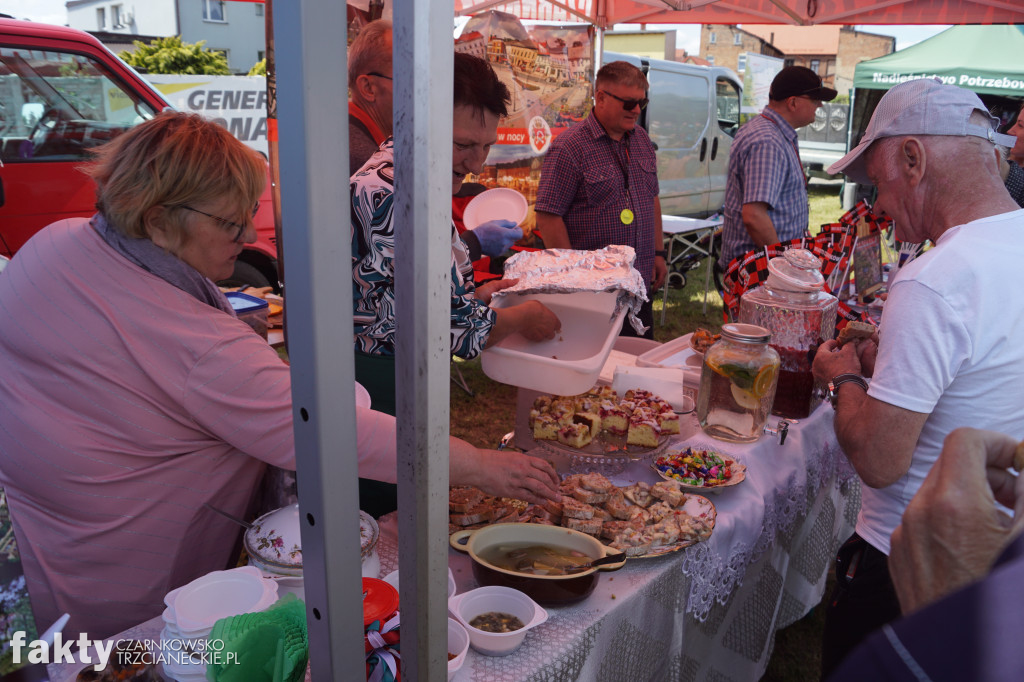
pixel 567 271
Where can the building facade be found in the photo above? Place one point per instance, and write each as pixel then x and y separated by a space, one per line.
pixel 724 45
pixel 235 28
pixel 830 51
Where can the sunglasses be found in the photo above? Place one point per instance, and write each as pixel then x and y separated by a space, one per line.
pixel 225 221
pixel 628 104
pixel 379 75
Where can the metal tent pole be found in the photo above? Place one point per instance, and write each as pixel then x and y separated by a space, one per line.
pixel 313 152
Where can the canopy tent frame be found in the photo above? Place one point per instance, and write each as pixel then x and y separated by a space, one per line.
pixel 311 80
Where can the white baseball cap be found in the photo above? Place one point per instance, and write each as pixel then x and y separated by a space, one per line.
pixel 920 107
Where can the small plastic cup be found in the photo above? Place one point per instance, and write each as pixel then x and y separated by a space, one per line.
pixel 466 607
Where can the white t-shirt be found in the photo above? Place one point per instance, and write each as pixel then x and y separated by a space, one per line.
pixel 951 345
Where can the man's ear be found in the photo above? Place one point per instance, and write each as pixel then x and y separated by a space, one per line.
pixel 365 87
pixel 913 159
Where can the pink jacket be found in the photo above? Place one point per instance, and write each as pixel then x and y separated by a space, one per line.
pixel 127 404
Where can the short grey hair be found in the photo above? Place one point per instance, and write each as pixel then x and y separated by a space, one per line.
pixel 370 50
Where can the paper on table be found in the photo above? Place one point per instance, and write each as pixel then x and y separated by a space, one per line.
pixel 666 382
pixel 616 358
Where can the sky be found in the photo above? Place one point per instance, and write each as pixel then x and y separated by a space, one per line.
pixel 688 36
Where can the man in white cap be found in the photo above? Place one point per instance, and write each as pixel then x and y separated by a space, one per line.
pixel 766 189
pixel 949 352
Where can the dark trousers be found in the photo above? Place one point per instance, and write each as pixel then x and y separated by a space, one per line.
pixel 377 375
pixel 646 316
pixel 863 601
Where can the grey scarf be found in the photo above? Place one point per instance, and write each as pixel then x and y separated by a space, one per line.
pixel 164 265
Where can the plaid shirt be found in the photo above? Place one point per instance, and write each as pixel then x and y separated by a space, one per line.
pixel 764 166
pixel 1015 183
pixel 373 268
pixel 582 182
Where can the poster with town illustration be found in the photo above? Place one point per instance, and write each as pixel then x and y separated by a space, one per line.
pixel 549 72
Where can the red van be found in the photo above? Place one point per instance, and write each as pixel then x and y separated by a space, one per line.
pixel 61 93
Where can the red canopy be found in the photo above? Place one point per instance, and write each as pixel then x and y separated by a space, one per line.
pixel 605 13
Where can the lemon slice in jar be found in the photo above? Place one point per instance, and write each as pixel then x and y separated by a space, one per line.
pixel 763 381
pixel 745 399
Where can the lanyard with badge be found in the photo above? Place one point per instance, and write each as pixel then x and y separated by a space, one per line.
pixel 626 216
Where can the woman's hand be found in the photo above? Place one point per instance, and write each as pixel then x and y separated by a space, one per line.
pixel 504 474
pixel 488 289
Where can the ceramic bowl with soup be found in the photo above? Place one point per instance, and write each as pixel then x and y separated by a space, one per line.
pixel 535 559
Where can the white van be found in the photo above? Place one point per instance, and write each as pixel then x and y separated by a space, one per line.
pixel 693 115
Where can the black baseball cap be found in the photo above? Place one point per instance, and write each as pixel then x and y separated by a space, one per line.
pixel 794 81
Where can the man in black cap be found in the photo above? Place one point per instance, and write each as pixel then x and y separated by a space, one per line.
pixel 766 191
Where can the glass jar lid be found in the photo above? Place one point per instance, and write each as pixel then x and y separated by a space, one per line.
pixel 795 270
pixel 745 333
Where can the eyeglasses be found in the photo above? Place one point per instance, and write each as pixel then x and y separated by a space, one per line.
pixel 379 75
pixel 225 221
pixel 628 104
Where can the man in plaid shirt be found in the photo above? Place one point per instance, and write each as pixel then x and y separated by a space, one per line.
pixel 766 191
pixel 599 182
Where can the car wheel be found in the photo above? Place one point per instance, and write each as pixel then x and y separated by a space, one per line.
pixel 245 274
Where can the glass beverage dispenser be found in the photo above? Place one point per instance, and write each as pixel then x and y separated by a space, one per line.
pixel 800 315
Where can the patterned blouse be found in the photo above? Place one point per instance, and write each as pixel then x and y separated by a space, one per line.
pixel 373 273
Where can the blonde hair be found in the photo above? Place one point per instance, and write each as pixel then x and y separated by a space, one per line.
pixel 172 160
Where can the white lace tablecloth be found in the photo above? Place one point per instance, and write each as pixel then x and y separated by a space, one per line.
pixel 708 612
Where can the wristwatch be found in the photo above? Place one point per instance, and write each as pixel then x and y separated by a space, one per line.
pixel 839 380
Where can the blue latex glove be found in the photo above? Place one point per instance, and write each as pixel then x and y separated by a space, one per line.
pixel 496 236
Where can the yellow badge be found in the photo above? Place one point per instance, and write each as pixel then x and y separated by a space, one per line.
pixel 626 216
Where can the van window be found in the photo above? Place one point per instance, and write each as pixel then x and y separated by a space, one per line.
pixel 678 111
pixel 55 106
pixel 728 105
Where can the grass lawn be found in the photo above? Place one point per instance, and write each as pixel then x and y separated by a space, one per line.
pixel 485 418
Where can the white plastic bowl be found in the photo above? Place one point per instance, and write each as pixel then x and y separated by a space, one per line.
pixel 220 594
pixel 570 362
pixel 500 203
pixel 392 579
pixel 466 607
pixel 458 644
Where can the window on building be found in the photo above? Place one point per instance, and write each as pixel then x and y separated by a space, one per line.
pixel 741 62
pixel 711 59
pixel 712 38
pixel 115 15
pixel 814 65
pixel 213 10
pixel 260 55
pixel 737 39
pixel 259 9
pixel 101 18
pixel 788 62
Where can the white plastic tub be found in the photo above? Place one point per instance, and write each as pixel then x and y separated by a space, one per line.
pixel 568 364
pixel 676 353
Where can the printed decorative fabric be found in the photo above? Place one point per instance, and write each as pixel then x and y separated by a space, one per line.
pixel 833 245
pixel 373 268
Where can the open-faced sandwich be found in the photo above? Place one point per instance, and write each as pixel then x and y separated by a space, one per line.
pixel 855 331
